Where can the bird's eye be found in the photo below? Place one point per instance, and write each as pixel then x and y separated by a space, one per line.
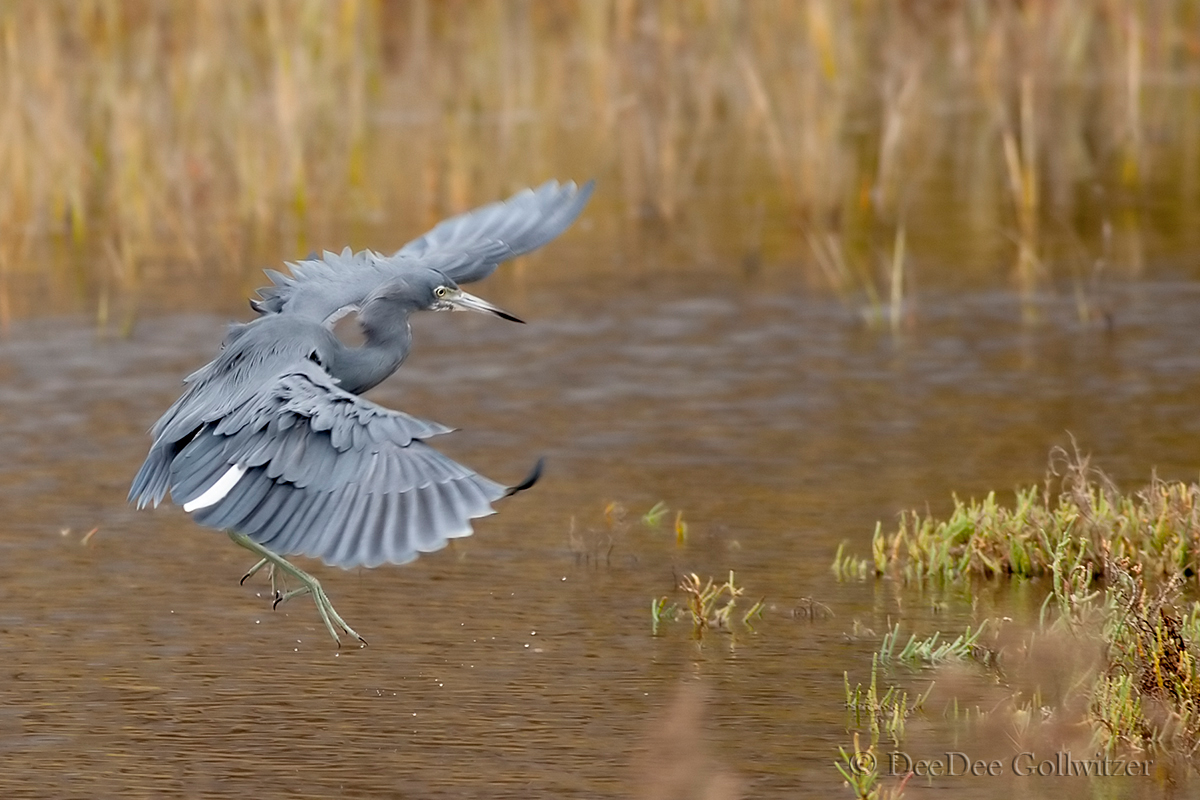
pixel 441 291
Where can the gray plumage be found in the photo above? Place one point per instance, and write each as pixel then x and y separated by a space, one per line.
pixel 465 249
pixel 272 440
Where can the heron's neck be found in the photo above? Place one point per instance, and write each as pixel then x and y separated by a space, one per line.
pixel 361 368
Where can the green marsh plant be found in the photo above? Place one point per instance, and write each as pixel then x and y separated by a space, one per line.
pixel 1115 617
pixel 882 714
pixel 934 650
pixel 1076 517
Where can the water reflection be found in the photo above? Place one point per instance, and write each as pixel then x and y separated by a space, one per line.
pixel 508 665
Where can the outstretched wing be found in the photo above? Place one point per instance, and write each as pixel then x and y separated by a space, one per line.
pixel 303 467
pixel 476 242
pixel 465 248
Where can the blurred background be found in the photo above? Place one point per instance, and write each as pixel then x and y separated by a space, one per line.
pixel 873 147
pixel 844 258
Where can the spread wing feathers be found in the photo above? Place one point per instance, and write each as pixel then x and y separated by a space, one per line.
pixel 523 222
pixel 465 248
pixel 271 354
pixel 324 473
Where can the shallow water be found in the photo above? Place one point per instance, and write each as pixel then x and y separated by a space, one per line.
pixel 520 662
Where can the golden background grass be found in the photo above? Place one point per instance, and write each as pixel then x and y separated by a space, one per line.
pixel 141 138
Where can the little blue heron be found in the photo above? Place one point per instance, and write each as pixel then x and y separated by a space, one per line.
pixel 272 442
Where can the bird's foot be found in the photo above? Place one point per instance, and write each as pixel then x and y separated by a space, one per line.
pixel 329 615
pixel 276 595
pixel 309 585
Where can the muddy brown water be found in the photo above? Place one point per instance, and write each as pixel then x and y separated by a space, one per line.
pixel 520 662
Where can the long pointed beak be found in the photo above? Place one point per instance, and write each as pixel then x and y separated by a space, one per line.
pixel 469 302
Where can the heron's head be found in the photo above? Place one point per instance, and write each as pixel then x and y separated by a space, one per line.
pixel 446 296
pixel 425 290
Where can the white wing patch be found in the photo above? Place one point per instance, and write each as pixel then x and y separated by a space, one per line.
pixel 218 490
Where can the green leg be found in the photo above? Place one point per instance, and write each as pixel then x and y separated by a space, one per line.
pixel 310 585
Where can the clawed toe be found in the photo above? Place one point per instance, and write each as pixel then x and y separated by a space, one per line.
pixel 254 571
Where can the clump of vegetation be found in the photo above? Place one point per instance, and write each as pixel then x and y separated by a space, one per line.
pixel 860 768
pixel 1077 514
pixel 1142 695
pixel 934 650
pixel 1116 568
pixel 1147 695
pixel 654 517
pixel 593 543
pixel 882 714
pixel 710 605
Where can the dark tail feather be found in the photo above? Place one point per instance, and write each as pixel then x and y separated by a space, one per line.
pixel 530 479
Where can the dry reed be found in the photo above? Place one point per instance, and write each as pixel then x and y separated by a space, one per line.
pixel 137 138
